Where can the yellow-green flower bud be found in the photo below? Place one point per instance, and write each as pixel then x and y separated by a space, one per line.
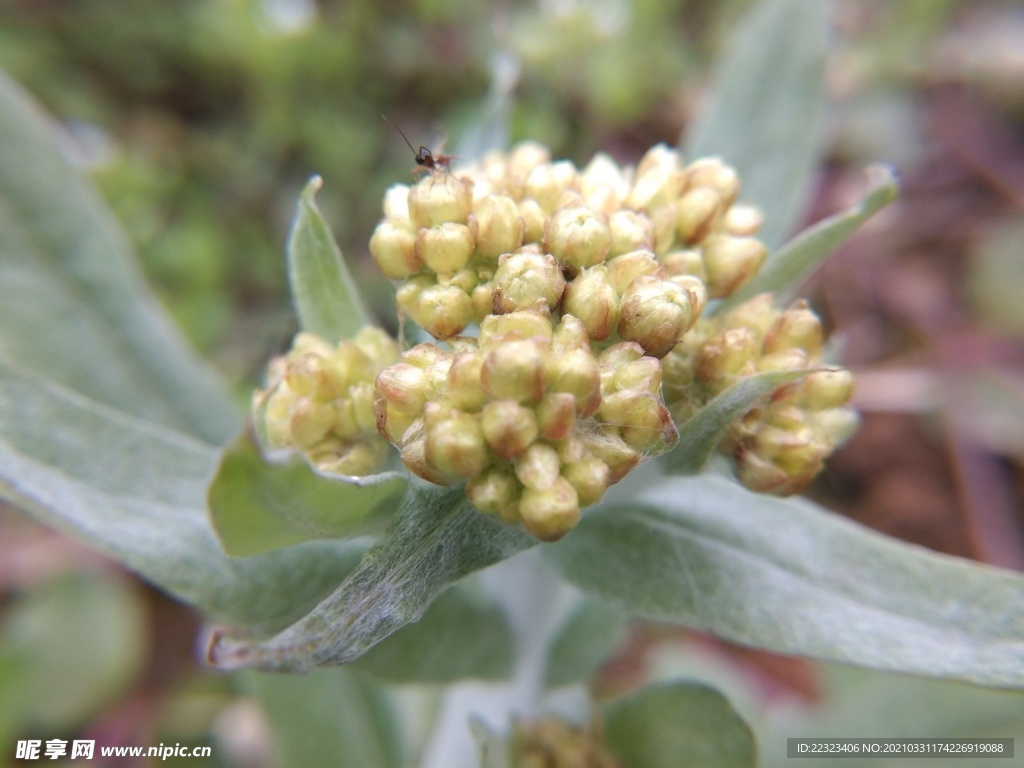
pixel 527 324
pixel 836 425
pixel 787 360
pixel 730 262
pixel 538 466
pixel 393 247
pixel 455 442
pixel 698 293
pixel 527 280
pixel 495 491
pixel 729 355
pixel 356 459
pixel 308 375
pixel 591 298
pixel 446 247
pixel 757 315
pixel 743 220
pixel 441 310
pixel 603 185
pixel 712 172
pixel 590 477
pixel 414 456
pixel 533 217
pixel 500 228
pixel 310 422
pixel 551 512
pixel 630 231
pixel 569 335
pixel 797 327
pixel 437 200
pixel 576 373
pixel 654 313
pixel 613 451
pixel 396 203
pixel 578 237
pixel 508 427
pixel 624 269
pixel 463 388
pixel 547 183
pixel 698 211
pixel 683 262
pixel 659 180
pixel 822 390
pixel 514 370
pixel 556 415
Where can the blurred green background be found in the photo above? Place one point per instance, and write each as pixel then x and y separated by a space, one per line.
pixel 200 120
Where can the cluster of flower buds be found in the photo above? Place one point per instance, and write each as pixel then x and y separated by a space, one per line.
pixel 319 401
pixel 633 253
pixel 555 743
pixel 534 421
pixel 780 446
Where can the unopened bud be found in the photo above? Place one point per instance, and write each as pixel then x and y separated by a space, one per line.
pixel 508 427
pixel 728 355
pixel 533 217
pixel 414 456
pixel 538 466
pixel 591 298
pixel 394 249
pixel 493 491
pixel 614 452
pixel 659 180
pixel 435 201
pixel 551 512
pixel 743 220
pixel 684 262
pixel 698 292
pixel 570 334
pixel 310 422
pixel 514 370
pixel 590 477
pixel 547 183
pixel 556 415
pixel 576 372
pixel 578 237
pixel 396 203
pixel 797 327
pixel 654 313
pixel 630 231
pixel 712 172
pixel 624 269
pixel 697 213
pixel 526 324
pixel 527 280
pixel 756 315
pixel 446 247
pixel 822 390
pixel 441 310
pixel 730 262
pixel 500 228
pixel 455 442
pixel 463 387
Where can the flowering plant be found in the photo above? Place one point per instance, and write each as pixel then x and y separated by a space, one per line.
pixel 551 475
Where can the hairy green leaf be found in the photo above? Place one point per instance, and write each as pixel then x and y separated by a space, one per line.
pixel 678 725
pixel 333 717
pixel 766 111
pixel 74 307
pixel 325 296
pixel 590 635
pixel 787 576
pixel 699 436
pixel 437 539
pixel 797 259
pixel 258 505
pixel 136 492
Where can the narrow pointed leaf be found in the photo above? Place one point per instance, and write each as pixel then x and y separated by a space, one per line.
pixel 334 717
pixel 679 725
pixel 795 261
pixel 136 492
pixel 437 539
pixel 699 436
pixel 783 574
pixel 325 296
pixel 257 505
pixel 73 305
pixel 765 116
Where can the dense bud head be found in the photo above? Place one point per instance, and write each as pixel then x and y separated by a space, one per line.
pixel 393 248
pixel 454 441
pixel 578 237
pixel 508 427
pixel 624 269
pixel 743 220
pixel 414 456
pixel 538 466
pixel 590 477
pixel 438 199
pixel 643 375
pixel 556 415
pixel 787 360
pixel 404 386
pixel 533 217
pixel 698 211
pixel 494 491
pixel 526 324
pixel 730 262
pixel 514 370
pixel 631 231
pixel 527 280
pixel 552 512
pixel 500 228
pixel 355 459
pixel 446 247
pixel 310 422
pixel 309 375
pixel 712 172
pixel 797 327
pixel 613 451
pixel 756 315
pixel 591 298
pixel 654 313
pixel 441 310
pixel 547 183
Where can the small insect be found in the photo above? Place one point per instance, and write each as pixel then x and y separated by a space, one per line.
pixel 426 161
